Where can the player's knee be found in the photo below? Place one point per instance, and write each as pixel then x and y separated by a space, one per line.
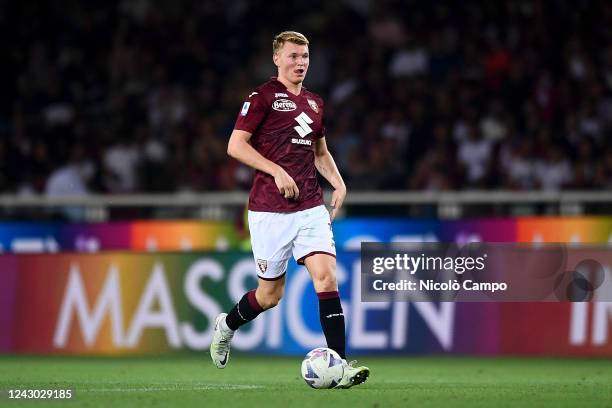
pixel 325 282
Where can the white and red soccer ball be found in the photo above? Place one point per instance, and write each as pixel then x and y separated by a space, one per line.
pixel 322 368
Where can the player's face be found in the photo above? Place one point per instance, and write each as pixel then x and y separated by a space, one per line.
pixel 292 61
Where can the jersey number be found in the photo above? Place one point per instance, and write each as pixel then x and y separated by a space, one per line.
pixel 303 129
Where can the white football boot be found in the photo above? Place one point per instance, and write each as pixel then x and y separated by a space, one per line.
pixel 220 346
pixel 352 375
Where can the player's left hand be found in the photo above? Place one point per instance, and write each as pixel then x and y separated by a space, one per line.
pixel 337 200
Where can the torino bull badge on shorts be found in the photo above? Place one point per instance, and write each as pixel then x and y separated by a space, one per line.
pixel 263 265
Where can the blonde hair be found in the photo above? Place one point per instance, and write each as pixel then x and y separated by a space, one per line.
pixel 288 36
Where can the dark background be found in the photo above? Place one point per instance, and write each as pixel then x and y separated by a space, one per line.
pixel 141 96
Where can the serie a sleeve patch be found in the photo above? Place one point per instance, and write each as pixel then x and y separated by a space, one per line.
pixel 245 108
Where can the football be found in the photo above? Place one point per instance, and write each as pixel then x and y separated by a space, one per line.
pixel 322 368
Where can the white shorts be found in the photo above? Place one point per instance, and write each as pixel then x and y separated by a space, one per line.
pixel 275 236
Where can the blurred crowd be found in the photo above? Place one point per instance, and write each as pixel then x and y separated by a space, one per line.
pixel 141 96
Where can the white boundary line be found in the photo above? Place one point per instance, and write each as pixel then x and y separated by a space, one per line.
pixel 202 387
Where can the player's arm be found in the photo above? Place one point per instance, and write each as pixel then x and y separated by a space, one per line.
pixel 325 164
pixel 240 149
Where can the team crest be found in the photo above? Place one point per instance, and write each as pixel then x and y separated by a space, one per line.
pixel 313 105
pixel 262 264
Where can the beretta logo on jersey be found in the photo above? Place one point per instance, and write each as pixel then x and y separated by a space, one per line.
pixel 284 105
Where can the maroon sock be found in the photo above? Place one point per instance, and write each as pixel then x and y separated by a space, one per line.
pixel 244 311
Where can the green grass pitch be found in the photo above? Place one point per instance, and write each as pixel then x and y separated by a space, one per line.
pixel 249 381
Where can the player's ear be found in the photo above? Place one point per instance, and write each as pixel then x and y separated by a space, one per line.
pixel 275 58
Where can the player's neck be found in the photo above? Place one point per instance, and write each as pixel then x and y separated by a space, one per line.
pixel 295 89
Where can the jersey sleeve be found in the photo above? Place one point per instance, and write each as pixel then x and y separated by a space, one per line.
pixel 253 112
pixel 323 132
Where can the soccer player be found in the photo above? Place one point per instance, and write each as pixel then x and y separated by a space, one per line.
pixel 280 132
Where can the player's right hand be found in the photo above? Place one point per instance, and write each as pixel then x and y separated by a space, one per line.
pixel 285 184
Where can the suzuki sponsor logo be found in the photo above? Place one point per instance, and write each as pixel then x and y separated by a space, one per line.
pixel 281 95
pixel 284 105
pixel 303 129
pixel 305 142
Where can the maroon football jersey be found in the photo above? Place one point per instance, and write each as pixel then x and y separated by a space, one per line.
pixel 284 130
